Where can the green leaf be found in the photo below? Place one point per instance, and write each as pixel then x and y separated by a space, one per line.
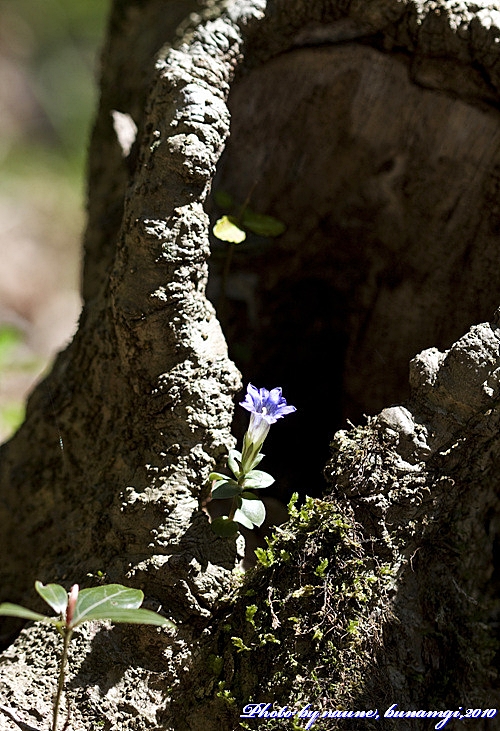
pixel 252 509
pixel 55 595
pixel 137 616
pixel 265 556
pixel 256 479
pixel 223 527
pixel 241 518
pixel 223 199
pixel 217 477
pixel 247 496
pixel 234 462
pixel 14 610
pixel 262 225
pixel 225 489
pixel 292 510
pixel 227 229
pixel 321 568
pixel 105 602
pixel 12 414
pixel 256 460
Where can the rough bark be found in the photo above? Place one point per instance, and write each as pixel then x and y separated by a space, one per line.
pixel 371 129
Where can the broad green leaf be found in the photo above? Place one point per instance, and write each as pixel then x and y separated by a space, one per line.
pixel 223 527
pixel 256 479
pixel 225 489
pixel 55 595
pixel 104 602
pixel 227 229
pixel 242 518
pixel 14 610
pixel 248 496
pixel 234 462
pixel 253 509
pixel 262 225
pixel 136 616
pixel 217 477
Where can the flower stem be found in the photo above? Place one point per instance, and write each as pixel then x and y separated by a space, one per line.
pixel 223 286
pixel 229 256
pixel 60 684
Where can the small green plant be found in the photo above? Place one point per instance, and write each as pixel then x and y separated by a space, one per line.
pixel 233 228
pixel 265 556
pixel 240 645
pixel 114 602
pixel 265 408
pixel 250 612
pixel 321 568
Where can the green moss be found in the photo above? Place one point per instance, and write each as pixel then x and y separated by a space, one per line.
pixel 324 591
pixel 321 568
pixel 265 556
pixel 240 645
pixel 215 664
pixel 314 585
pixel 250 613
pixel 225 694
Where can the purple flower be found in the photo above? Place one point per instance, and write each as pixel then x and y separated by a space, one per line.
pixel 265 408
pixel 269 405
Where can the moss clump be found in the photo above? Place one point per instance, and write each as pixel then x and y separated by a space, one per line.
pixel 370 597
pixel 309 633
pixel 354 599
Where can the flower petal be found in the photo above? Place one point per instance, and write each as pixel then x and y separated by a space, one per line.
pixel 275 395
pixel 284 410
pixel 269 405
pixel 253 401
pixel 264 396
pixel 255 395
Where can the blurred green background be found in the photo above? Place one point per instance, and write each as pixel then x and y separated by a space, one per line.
pixel 49 65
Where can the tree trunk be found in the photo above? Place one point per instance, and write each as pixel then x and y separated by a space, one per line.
pixel 371 130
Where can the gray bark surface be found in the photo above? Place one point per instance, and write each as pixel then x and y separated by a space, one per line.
pixel 371 129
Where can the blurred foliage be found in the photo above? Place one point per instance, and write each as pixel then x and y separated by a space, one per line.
pixel 49 63
pixel 9 338
pixel 54 42
pixel 11 358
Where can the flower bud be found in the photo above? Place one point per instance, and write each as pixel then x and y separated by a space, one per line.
pixel 72 599
pixel 265 408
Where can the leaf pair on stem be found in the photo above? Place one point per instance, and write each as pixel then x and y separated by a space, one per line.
pixel 113 602
pixel 246 508
pixel 265 408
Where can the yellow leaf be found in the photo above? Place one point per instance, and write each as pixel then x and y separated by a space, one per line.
pixel 227 229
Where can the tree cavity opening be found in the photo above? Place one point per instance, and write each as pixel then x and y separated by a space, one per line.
pixel 383 188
